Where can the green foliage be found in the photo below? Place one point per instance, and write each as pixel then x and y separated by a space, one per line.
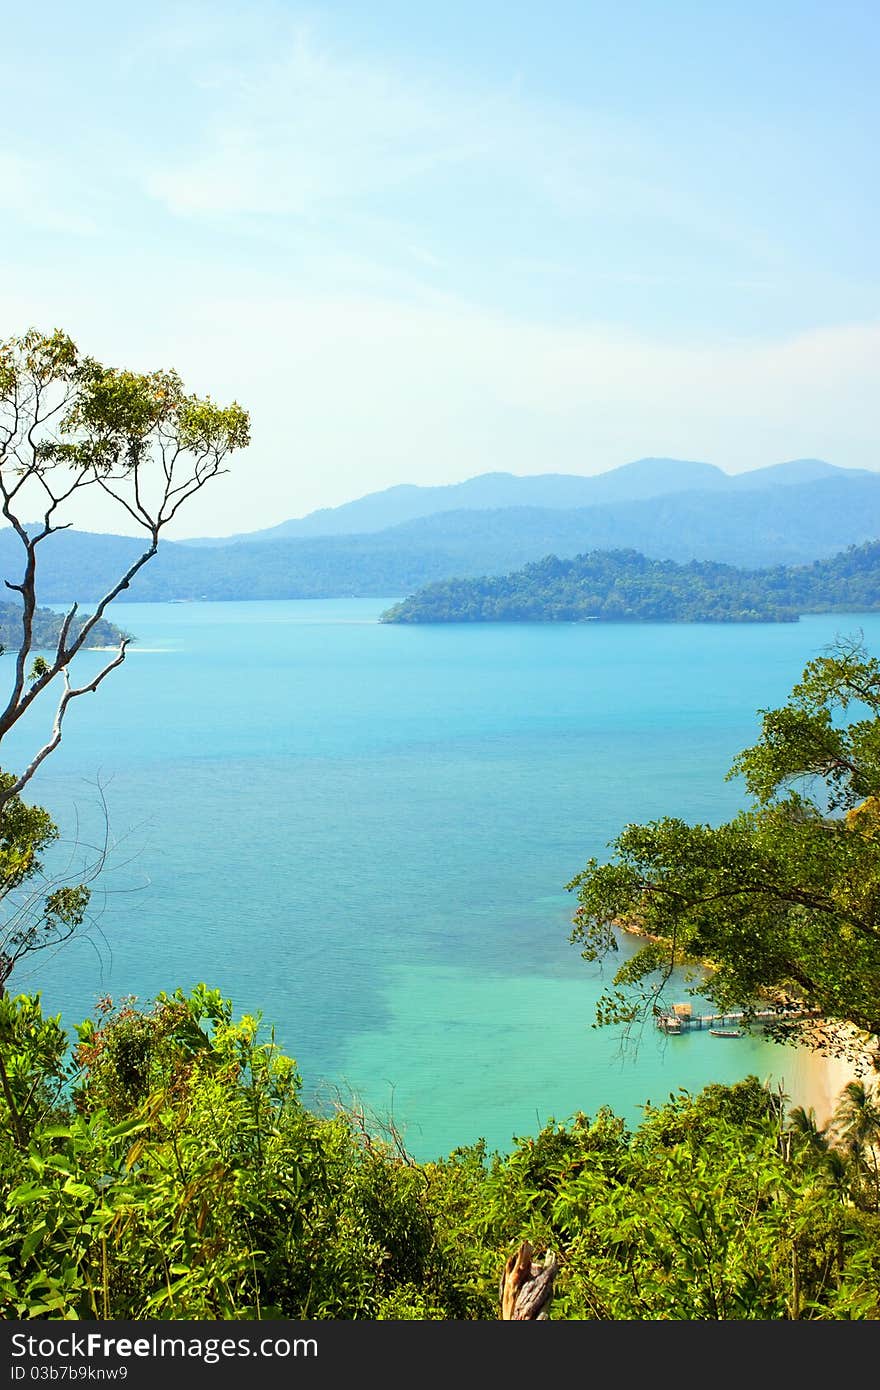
pixel 25 831
pixel 113 418
pixel 189 1182
pixel 32 1068
pixel 784 900
pixel 170 1170
pixel 625 586
pixel 35 913
pixel 856 1130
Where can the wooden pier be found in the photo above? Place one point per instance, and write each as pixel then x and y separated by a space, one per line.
pixel 681 1019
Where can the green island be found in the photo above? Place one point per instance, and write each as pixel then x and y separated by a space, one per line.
pixel 47 627
pixel 626 586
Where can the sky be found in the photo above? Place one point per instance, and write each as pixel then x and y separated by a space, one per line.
pixel 420 242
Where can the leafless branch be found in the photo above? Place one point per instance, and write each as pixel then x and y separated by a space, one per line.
pixel 70 693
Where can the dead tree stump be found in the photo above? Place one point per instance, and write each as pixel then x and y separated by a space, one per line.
pixel 526 1288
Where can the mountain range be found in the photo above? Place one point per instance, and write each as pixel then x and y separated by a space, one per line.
pixel 790 513
pixel 638 481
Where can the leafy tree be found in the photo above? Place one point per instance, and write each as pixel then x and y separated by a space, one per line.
pixel 71 427
pixel 32 1081
pixel 68 426
pixel 783 901
pixel 856 1129
pixel 187 1180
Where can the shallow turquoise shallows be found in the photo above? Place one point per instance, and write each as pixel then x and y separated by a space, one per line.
pixel 365 832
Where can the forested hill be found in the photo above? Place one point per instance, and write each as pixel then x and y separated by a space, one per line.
pixel 623 585
pixel 47 625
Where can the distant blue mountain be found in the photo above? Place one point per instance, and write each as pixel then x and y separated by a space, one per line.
pixel 633 482
pixel 791 473
pixel 783 521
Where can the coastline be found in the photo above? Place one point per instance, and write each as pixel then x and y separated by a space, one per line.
pixel 810 1079
pixel 815 1081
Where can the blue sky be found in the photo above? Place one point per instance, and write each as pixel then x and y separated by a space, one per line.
pixel 421 242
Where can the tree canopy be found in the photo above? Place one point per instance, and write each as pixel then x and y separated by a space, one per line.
pixel 170 1169
pixel 783 901
pixel 625 586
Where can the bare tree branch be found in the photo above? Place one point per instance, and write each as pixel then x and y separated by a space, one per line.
pixel 70 693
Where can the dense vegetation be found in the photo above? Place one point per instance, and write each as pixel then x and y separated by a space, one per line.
pixel 170 1171
pixel 624 586
pixel 47 626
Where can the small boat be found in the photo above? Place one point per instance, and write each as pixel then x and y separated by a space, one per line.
pixel 727 1032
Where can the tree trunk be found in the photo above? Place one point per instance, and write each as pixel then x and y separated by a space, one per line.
pixel 526 1288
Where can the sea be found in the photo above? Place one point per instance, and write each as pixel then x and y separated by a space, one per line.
pixel 363 832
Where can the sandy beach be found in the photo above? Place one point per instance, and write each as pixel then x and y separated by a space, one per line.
pixel 808 1078
pixel 815 1082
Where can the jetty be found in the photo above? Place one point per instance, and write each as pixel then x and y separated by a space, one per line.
pixel 681 1019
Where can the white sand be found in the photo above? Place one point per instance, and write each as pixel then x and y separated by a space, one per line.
pixel 815 1082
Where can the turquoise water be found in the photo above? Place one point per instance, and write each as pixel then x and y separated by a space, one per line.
pixel 365 831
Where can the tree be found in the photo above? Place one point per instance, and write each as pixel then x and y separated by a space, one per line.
pixel 70 426
pixel 783 901
pixel 856 1128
